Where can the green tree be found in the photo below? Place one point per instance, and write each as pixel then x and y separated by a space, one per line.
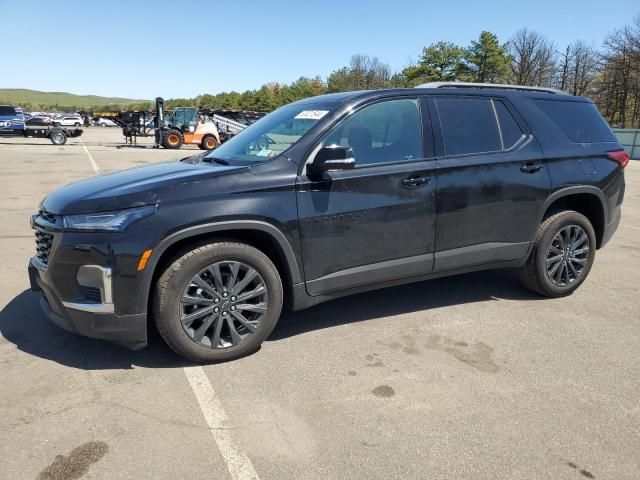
pixel 487 60
pixel 363 73
pixel 440 62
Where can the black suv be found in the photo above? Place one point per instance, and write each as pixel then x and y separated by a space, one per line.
pixel 326 197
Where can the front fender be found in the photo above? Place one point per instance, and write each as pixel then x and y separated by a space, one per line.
pixel 216 227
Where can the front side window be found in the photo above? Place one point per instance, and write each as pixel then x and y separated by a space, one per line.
pixel 272 134
pixel 388 131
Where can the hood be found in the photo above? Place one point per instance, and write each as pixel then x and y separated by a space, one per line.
pixel 151 184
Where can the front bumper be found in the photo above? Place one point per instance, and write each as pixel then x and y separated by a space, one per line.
pixel 95 321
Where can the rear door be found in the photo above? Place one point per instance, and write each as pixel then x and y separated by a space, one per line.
pixel 492 182
pixel 374 223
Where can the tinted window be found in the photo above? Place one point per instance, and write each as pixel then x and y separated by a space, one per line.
pixel 7 111
pixel 468 125
pixel 383 132
pixel 510 130
pixel 580 121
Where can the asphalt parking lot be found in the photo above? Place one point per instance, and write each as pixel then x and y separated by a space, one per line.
pixel 468 377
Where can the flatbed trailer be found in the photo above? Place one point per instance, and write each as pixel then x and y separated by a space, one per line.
pixel 57 135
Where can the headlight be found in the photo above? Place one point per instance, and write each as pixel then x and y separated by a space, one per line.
pixel 117 221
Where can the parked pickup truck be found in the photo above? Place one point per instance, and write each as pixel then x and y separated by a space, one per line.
pixel 12 124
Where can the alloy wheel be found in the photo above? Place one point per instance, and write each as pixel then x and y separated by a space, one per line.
pixel 567 255
pixel 223 304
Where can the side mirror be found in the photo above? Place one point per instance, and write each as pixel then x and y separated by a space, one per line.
pixel 330 159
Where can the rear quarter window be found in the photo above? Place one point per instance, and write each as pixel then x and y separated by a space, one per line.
pixel 579 121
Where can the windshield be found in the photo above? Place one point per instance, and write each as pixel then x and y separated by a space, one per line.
pixel 272 134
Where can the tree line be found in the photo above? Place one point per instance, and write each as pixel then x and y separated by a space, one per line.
pixel 608 74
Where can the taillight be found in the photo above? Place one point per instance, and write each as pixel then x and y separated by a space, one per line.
pixel 621 158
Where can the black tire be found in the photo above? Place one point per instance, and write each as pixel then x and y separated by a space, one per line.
pixel 58 137
pixel 77 125
pixel 167 309
pixel 172 139
pixel 534 275
pixel 209 142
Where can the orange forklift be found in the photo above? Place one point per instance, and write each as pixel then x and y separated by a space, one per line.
pixel 184 126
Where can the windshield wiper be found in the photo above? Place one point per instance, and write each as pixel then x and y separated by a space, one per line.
pixel 216 160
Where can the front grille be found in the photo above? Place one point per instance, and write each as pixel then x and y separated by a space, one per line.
pixel 44 240
pixel 91 293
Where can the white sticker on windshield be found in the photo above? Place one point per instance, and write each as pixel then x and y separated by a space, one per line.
pixel 311 114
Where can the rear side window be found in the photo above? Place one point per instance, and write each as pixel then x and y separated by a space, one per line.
pixel 579 121
pixel 509 129
pixel 468 125
pixel 7 111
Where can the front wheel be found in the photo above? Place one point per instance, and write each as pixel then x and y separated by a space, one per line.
pixel 218 301
pixel 562 255
pixel 172 139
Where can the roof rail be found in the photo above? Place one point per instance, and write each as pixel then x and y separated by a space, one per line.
pixel 491 85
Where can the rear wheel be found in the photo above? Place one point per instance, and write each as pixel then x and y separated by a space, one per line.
pixel 58 138
pixel 562 255
pixel 77 125
pixel 218 301
pixel 173 139
pixel 209 142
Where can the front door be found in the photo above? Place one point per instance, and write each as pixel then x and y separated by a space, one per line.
pixel 374 223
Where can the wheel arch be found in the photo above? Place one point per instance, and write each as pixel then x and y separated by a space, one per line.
pixel 588 200
pixel 261 235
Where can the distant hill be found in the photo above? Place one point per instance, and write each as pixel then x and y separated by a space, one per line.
pixel 21 96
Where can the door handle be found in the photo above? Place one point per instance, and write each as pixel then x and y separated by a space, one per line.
pixel 531 167
pixel 415 181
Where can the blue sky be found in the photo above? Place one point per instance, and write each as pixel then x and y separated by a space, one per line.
pixel 113 48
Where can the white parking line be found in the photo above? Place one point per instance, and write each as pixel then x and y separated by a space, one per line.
pixel 93 162
pixel 238 464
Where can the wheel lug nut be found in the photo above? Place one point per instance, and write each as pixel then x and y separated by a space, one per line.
pixel 224 314
pixel 225 294
pixel 216 309
pixel 217 300
pixel 233 298
pixel 232 308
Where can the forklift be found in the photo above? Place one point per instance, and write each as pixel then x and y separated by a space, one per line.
pixel 184 126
